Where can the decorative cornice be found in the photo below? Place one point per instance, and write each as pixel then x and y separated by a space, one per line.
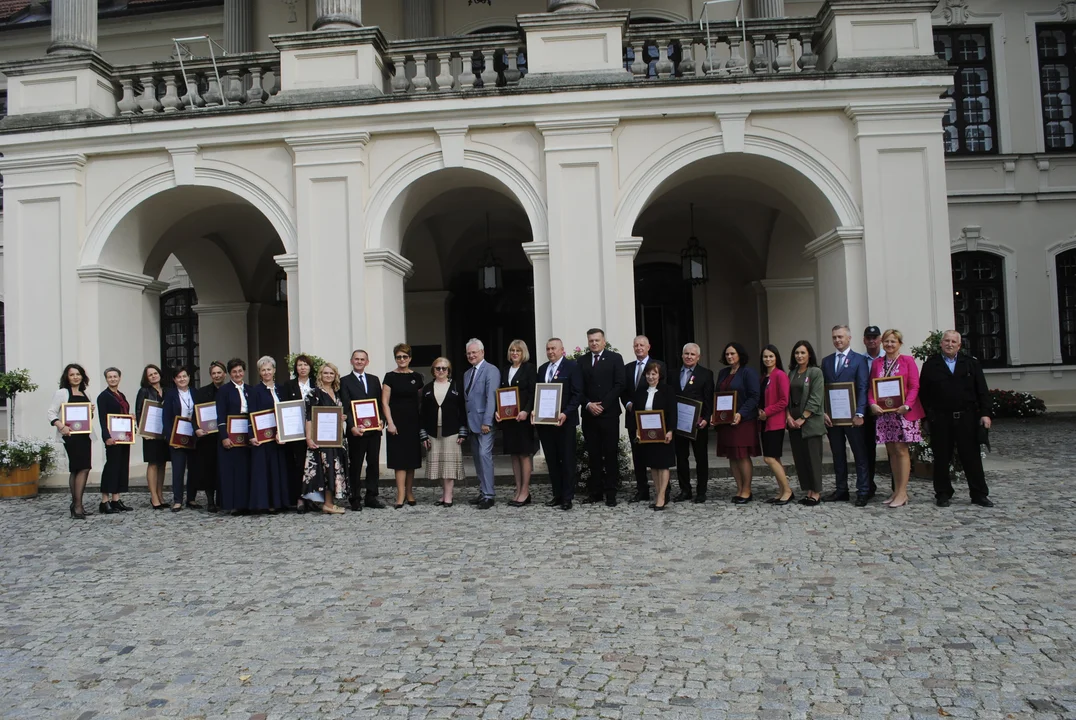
pixel 531 22
pixel 67 161
pixel 156 287
pixel 583 126
pixel 805 283
pixel 390 260
pixel 924 109
pixel 122 278
pixel 628 246
pixel 337 38
pixel 287 261
pixel 327 141
pixel 836 239
pixel 535 251
pixel 57 63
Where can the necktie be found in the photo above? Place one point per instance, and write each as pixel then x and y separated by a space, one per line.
pixel 362 379
pixel 594 361
pixel 837 363
pixel 470 383
pixel 683 377
pixel 549 373
pixel 638 372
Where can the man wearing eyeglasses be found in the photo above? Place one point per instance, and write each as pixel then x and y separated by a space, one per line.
pixel 364 447
pixel 480 384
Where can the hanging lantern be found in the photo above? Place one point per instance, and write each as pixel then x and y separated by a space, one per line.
pixel 693 258
pixel 280 290
pixel 489 272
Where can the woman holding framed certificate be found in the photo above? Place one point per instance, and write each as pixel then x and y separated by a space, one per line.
pixel 298 387
pixel 179 426
pixel 154 450
pixel 444 428
pixel 325 474
pixel 893 396
pixel 400 392
pixel 771 420
pixel 114 412
pixel 268 465
pixel 207 476
pixel 233 463
pixel 738 440
pixel 517 434
pixel 70 431
pixel 805 419
pixel 658 454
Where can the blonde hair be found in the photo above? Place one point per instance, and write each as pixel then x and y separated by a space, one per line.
pixel 336 376
pixel 522 347
pixel 895 333
pixel 447 362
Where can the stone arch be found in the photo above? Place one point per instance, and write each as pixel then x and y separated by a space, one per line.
pixel 389 198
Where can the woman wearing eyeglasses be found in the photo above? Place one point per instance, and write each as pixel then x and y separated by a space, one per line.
pixel 444 427
pixel 400 391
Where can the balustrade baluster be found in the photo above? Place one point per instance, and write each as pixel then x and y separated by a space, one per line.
pixel 783 62
pixel 256 95
pixel 638 65
pixel 148 99
pixel 213 94
pixel 808 60
pixel 489 69
pixel 687 59
pixel 512 72
pixel 127 104
pixel 664 67
pixel 421 81
pixel 444 71
pixel 736 64
pixel 234 84
pixel 467 76
pixel 400 83
pixel 171 101
pixel 759 63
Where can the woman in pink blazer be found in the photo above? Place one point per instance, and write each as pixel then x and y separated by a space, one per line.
pixel 771 420
pixel 897 428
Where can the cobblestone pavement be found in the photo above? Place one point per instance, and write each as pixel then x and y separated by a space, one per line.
pixel 702 611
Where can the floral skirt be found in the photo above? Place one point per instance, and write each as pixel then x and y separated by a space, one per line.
pixel 894 428
pixel 326 469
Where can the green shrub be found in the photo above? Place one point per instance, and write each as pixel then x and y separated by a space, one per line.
pixel 1015 404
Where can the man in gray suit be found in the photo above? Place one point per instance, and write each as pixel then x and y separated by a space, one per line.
pixel 480 392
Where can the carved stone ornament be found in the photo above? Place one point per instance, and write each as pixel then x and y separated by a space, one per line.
pixel 955 12
pixel 1067 10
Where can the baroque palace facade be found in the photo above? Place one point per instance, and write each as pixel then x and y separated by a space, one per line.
pixel 329 174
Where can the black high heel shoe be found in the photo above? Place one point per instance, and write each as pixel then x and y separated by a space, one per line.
pixel 412 503
pixel 77 515
pixel 791 498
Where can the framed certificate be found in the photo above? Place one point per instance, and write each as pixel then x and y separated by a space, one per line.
pixel 650 426
pixel 889 392
pixel 121 428
pixel 508 403
pixel 688 412
pixel 264 425
pixel 182 435
pixel 328 426
pixel 151 423
pixel 547 399
pixel 238 430
pixel 205 417
pixel 366 414
pixel 78 417
pixel 725 404
pixel 290 421
pixel 841 403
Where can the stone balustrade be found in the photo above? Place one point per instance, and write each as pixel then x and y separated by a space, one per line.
pixel 664 51
pixel 458 63
pixel 169 87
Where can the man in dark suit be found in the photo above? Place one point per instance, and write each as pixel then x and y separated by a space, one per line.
pixel 603 381
pixel 558 441
pixel 364 448
pixel 694 382
pixel 872 344
pixel 953 391
pixel 633 380
pixel 843 366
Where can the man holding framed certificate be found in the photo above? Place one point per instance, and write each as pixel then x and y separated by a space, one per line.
pixel 847 366
pixel 696 385
pixel 635 378
pixel 363 433
pixel 556 416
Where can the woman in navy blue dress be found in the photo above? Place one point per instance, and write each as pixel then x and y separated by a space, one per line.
pixel 233 398
pixel 268 463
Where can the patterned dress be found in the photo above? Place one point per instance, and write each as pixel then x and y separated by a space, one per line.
pixel 892 427
pixel 325 467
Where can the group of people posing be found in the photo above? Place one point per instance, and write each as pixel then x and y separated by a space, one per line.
pixel 596 389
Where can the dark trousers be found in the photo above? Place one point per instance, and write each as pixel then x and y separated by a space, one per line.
pixel 807 456
pixel 870 430
pixel 642 484
pixel 602 438
pixel 854 437
pixel 181 466
pixel 365 449
pixel 959 430
pixel 558 444
pixel 702 462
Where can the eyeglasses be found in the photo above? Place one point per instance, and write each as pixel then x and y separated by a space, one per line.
pixel 402 357
pixel 440 369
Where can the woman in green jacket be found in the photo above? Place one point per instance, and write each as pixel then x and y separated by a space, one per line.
pixel 804 419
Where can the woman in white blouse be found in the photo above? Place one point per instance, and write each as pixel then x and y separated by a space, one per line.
pixel 179 403
pixel 297 388
pixel 73 383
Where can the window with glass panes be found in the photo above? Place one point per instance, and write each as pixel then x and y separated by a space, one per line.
pixel 179 332
pixel 1057 68
pixel 1066 304
pixel 971 126
pixel 979 305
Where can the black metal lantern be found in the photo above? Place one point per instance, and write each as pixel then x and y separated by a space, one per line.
pixel 693 258
pixel 280 287
pixel 489 272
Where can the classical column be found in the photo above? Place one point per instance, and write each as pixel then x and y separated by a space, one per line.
pixel 74 27
pixel 768 8
pixel 338 14
pixel 418 18
pixel 572 5
pixel 239 26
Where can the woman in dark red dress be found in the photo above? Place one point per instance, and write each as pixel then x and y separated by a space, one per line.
pixel 738 441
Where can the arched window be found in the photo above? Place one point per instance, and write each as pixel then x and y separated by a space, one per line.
pixel 979 304
pixel 1066 304
pixel 179 332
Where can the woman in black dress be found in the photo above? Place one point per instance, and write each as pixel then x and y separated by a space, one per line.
pixel 115 476
pixel 205 446
pixel 659 457
pixel 298 388
pixel 73 389
pixel 154 452
pixel 517 434
pixel 403 445
pixel 325 474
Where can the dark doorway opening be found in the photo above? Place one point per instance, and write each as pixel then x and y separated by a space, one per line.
pixel 494 318
pixel 663 311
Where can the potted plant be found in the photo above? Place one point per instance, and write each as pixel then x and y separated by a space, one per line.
pixel 12 383
pixel 318 362
pixel 23 462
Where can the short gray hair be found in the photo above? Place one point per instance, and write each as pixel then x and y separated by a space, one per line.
pixel 842 327
pixel 953 332
pixel 692 345
pixel 266 360
pixel 475 341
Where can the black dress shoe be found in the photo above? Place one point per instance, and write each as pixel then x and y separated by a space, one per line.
pixel 514 503
pixel 700 498
pixel 639 497
pixel 982 502
pixel 300 509
pixel 355 504
pixel 216 509
pixel 590 500
pixel 809 501
pixel 682 497
pixel 373 502
pixel 657 507
pixel 555 502
pixel 777 501
pixel 193 505
pixel 525 502
pixel 475 500
pixel 862 500
pixel 610 501
pixel 836 497
pixel 566 506
pixel 742 500
pixel 942 502
pixel 121 506
pixel 412 503
pixel 106 509
pixel 486 503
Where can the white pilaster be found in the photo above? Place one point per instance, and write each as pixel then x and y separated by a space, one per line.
pixel 538 254
pixel 74 27
pixel 386 271
pixel 289 263
pixel 841 280
pixel 625 329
